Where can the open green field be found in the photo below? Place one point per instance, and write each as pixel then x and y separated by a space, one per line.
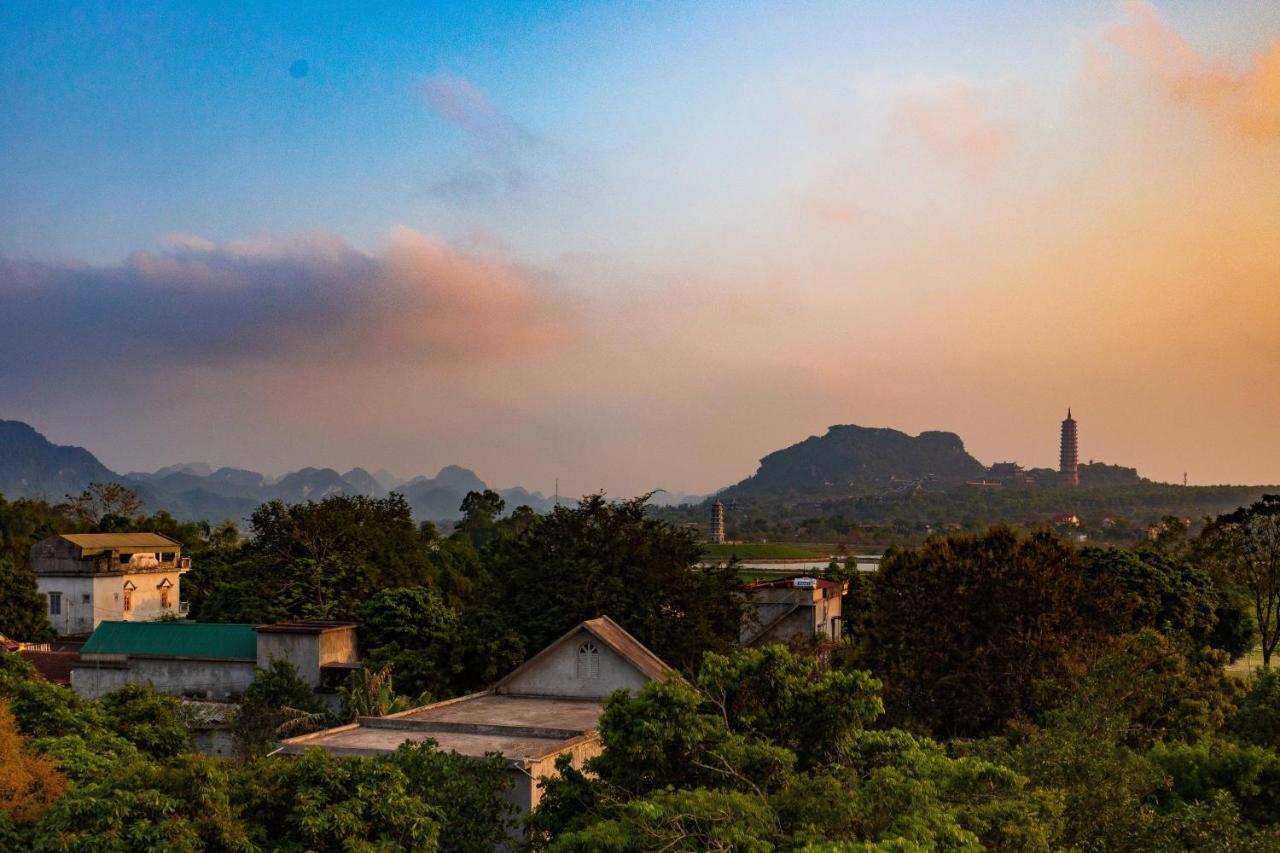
pixel 1249 664
pixel 768 551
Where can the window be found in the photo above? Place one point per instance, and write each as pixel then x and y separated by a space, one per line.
pixel 55 603
pixel 85 598
pixel 128 600
pixel 588 660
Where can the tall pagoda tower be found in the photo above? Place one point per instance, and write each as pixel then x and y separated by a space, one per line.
pixel 717 523
pixel 1069 453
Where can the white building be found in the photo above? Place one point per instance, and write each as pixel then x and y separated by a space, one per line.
pixel 549 706
pixel 89 577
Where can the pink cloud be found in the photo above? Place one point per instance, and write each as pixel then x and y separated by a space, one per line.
pixel 1248 101
pixel 955 121
pixel 307 299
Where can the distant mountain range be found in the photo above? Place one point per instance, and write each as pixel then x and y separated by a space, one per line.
pixel 33 467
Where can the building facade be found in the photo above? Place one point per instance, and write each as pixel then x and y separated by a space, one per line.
pixel 212 661
pixel 1069 453
pixel 90 577
pixel 784 609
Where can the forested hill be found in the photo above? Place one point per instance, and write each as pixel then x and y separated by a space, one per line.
pixel 31 466
pixel 850 456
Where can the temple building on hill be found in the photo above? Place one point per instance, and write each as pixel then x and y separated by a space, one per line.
pixel 1069 453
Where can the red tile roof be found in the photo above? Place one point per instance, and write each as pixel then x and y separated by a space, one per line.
pixel 53 666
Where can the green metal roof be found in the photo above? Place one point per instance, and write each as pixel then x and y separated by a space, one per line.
pixel 173 639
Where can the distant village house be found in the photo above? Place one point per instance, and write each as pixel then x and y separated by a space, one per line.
pixel 783 609
pixel 87 578
pixel 548 707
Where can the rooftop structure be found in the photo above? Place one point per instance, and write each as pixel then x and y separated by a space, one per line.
pixel 90 577
pixel 782 609
pixel 549 706
pixel 174 639
pixel 1069 453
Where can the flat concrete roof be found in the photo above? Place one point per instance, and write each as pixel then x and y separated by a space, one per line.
pixel 496 709
pixel 521 728
pixel 365 740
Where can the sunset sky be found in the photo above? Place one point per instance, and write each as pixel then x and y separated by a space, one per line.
pixel 641 245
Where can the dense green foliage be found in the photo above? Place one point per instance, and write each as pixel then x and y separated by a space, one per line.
pixel 1000 690
pixel 135 785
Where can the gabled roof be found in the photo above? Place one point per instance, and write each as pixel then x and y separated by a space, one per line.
pixel 612 635
pixel 126 543
pixel 174 639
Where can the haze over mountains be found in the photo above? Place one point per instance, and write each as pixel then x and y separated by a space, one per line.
pixel 848 459
pixel 32 466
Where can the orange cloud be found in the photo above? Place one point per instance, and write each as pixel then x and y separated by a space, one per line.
pixel 1248 101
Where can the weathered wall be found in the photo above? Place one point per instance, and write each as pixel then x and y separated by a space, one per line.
pixel 339 645
pixel 212 679
pixel 146 597
pixel 301 650
pixel 77 614
pixel 546 768
pixel 556 673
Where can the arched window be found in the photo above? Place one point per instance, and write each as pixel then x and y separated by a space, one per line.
pixel 588 660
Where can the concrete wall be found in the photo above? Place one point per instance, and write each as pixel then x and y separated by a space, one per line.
pixel 815 608
pixel 206 677
pixel 301 650
pixel 556 672
pixel 546 768
pixel 88 599
pixel 339 646
pixel 77 614
pixel 146 596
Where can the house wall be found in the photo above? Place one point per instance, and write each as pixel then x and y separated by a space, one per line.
pixel 815 608
pixel 208 677
pixel 301 650
pixel 546 767
pixel 556 673
pixel 146 598
pixel 88 599
pixel 77 614
pixel 339 645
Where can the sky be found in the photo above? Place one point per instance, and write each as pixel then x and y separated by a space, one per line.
pixel 640 245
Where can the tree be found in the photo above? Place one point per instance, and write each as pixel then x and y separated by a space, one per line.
pixel 1257 720
pixel 29 784
pixel 601 558
pixel 1245 546
pixel 22 607
pixel 154 722
pixel 276 696
pixel 105 507
pixel 480 513
pixel 321 803
pixel 1158 591
pixel 972 631
pixel 413 631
